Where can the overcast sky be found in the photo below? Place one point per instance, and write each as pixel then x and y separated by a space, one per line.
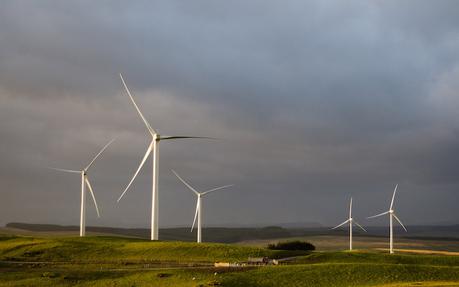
pixel 313 102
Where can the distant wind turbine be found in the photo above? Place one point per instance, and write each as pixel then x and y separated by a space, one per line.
pixel 85 182
pixel 392 215
pixel 154 146
pixel 350 220
pixel 199 195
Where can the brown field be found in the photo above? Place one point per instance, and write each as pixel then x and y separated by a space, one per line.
pixel 422 251
pixel 330 242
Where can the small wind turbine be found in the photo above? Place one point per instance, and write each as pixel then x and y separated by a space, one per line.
pixel 198 212
pixel 85 182
pixel 392 215
pixel 154 146
pixel 350 221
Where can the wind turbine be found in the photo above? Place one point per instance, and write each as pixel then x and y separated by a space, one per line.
pixel 153 147
pixel 200 195
pixel 350 220
pixel 392 215
pixel 85 182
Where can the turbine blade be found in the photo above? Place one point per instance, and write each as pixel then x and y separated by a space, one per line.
pixel 100 152
pixel 350 209
pixel 65 170
pixel 378 214
pixel 138 169
pixel 195 215
pixel 92 194
pixel 393 196
pixel 150 129
pixel 184 137
pixel 399 221
pixel 185 183
pixel 361 227
pixel 217 188
pixel 340 224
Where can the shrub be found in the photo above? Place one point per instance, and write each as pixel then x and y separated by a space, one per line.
pixel 49 275
pixel 292 245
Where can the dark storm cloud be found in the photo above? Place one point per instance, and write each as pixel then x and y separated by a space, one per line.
pixel 314 101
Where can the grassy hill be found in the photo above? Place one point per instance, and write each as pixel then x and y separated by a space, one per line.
pixel 117 261
pixel 364 257
pixel 102 249
pixel 339 274
pixel 105 249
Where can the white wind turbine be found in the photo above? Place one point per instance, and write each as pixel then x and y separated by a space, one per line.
pixel 200 195
pixel 154 146
pixel 85 182
pixel 392 215
pixel 350 220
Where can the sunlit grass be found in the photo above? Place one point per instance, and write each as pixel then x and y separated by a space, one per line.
pixel 116 249
pixel 115 261
pixel 378 257
pixel 341 274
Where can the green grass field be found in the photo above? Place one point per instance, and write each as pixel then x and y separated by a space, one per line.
pixel 115 261
pixel 105 249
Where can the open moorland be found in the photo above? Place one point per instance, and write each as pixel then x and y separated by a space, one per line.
pixel 120 261
pixel 340 242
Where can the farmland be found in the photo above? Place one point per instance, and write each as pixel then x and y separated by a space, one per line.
pixel 117 261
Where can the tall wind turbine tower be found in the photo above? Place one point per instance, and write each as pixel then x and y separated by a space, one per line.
pixel 350 220
pixel 200 195
pixel 153 147
pixel 85 182
pixel 392 215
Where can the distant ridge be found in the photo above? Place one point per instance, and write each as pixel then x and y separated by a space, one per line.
pixel 301 224
pixel 237 234
pixel 212 234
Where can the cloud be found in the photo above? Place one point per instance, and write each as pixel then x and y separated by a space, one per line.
pixel 311 101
